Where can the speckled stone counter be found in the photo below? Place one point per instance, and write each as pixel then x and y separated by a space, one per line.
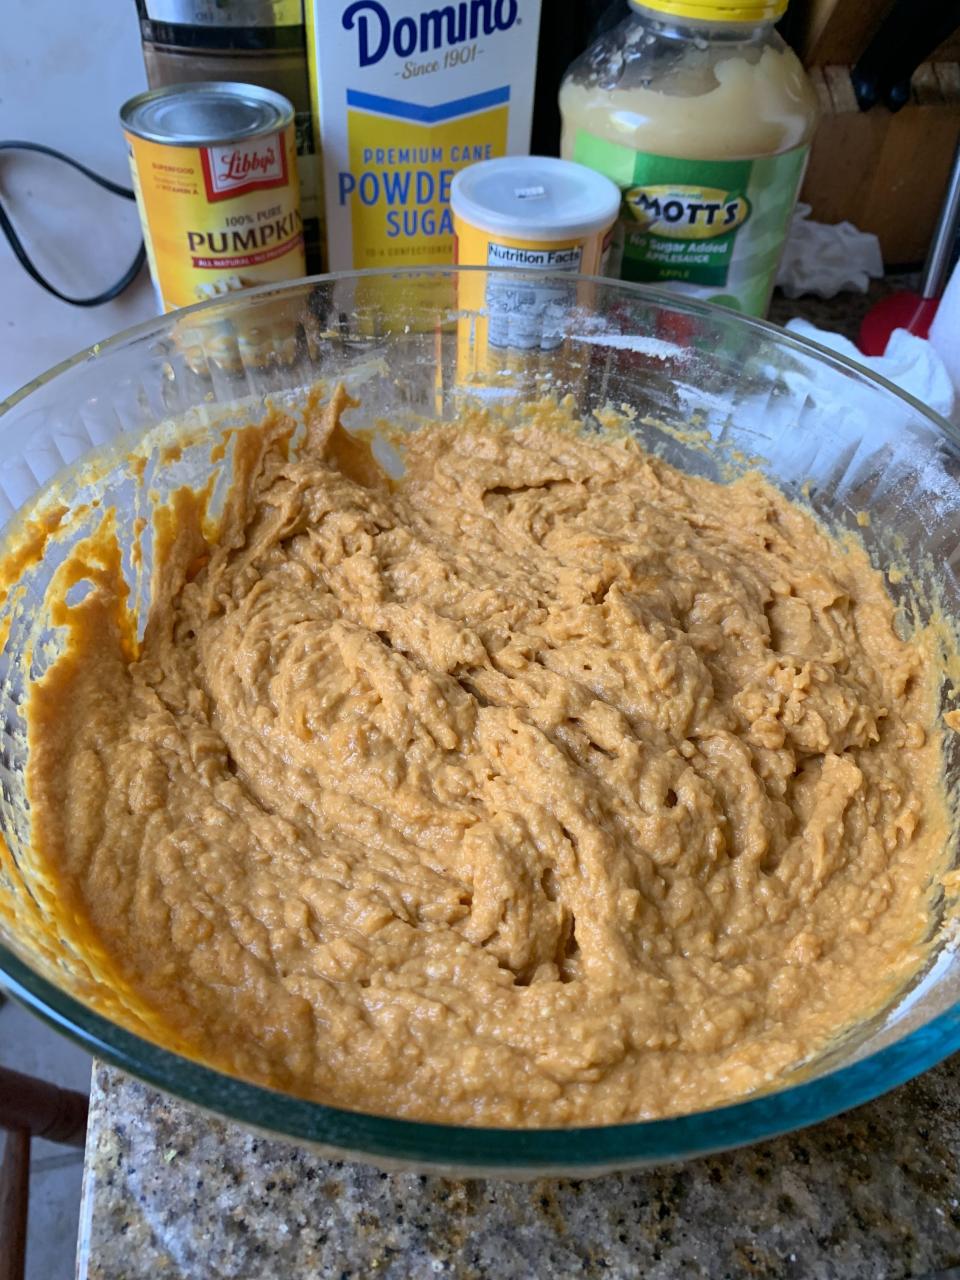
pixel 171 1194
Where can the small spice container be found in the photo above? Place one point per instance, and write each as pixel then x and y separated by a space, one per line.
pixel 537 213
pixel 533 211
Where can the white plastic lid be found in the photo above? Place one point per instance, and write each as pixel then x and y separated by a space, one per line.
pixel 535 197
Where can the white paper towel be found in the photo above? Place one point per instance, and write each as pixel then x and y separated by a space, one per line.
pixel 945 330
pixel 825 260
pixel 912 363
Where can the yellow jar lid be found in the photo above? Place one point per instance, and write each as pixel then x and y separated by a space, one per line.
pixel 718 10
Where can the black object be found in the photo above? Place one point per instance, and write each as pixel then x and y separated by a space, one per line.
pixel 907 36
pixel 563 37
pixel 8 229
pixel 791 24
pixel 222 35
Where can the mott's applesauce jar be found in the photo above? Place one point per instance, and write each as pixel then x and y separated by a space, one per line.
pixel 703 117
pixel 214 169
pixel 538 213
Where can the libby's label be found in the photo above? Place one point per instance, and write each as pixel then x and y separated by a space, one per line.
pixel 218 219
pixel 406 95
pixel 257 165
pixel 248 245
pixel 711 228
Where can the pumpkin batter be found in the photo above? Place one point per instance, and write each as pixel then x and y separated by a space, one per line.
pixel 546 785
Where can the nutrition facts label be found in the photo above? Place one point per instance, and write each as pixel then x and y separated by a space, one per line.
pixel 565 258
pixel 527 316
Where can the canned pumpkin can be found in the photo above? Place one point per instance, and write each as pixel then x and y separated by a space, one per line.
pixel 543 215
pixel 214 169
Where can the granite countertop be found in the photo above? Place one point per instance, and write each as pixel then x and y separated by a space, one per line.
pixel 173 1194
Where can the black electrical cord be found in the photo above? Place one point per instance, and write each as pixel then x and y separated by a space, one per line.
pixel 8 229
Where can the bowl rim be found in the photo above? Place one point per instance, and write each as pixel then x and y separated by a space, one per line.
pixel 800 343
pixel 469 1149
pixel 480 1150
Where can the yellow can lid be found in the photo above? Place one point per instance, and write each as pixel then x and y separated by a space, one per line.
pixel 718 10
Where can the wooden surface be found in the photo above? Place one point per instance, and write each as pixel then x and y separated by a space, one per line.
pixel 29 1107
pixel 14 1192
pixel 836 32
pixel 42 1109
pixel 885 171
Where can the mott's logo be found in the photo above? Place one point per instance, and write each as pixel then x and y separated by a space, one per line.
pixel 249 166
pixel 679 212
pixel 437 28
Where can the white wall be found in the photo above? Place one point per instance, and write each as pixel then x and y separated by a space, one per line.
pixel 65 68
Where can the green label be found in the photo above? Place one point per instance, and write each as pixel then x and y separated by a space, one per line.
pixel 714 226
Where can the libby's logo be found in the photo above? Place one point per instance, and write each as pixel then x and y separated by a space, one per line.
pixel 378 34
pixel 679 212
pixel 244 166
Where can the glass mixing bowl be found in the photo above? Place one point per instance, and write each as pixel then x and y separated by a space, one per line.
pixel 714 394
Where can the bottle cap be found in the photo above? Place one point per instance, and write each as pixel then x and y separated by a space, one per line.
pixel 718 10
pixel 534 196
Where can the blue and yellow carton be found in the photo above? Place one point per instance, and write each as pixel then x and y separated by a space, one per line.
pixel 406 94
